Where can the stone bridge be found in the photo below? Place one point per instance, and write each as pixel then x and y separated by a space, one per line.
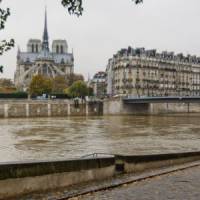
pixel 151 105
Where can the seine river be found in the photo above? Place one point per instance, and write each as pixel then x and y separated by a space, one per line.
pixel 62 138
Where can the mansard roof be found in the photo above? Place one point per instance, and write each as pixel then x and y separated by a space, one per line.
pixel 141 52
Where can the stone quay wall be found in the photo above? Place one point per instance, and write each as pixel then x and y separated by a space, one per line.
pixel 115 106
pixel 163 108
pixel 17 179
pixel 22 178
pixel 136 164
pixel 48 108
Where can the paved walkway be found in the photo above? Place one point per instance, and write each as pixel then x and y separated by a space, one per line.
pixel 180 185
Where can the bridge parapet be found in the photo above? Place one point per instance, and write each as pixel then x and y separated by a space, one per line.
pixel 170 99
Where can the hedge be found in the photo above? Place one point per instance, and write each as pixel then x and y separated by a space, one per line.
pixel 16 95
pixel 24 95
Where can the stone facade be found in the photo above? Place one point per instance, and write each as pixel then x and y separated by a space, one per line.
pixel 98 84
pixel 140 72
pixel 40 60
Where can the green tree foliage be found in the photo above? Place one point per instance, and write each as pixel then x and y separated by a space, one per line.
pixel 90 92
pixel 59 84
pixel 78 89
pixel 7 86
pixel 71 78
pixel 40 85
pixel 5 82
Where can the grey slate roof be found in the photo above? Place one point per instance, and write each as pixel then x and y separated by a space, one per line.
pixel 32 57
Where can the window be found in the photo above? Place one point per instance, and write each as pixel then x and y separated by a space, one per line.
pixel 36 48
pixel 61 49
pixel 32 48
pixel 57 49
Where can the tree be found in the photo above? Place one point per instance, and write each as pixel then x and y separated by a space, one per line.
pixel 7 86
pixel 40 85
pixel 78 89
pixel 59 84
pixel 5 82
pixel 71 78
pixel 90 91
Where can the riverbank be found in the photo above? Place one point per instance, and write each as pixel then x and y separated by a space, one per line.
pixel 22 178
pixel 48 108
pixel 24 108
pixel 173 183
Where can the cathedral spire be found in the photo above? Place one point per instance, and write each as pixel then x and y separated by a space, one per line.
pixel 45 42
pixel 18 53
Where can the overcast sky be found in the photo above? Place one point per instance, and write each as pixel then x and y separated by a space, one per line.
pixel 105 27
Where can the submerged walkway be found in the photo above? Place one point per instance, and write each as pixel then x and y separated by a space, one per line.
pixel 178 185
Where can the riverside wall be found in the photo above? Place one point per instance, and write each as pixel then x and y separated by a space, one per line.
pixel 48 108
pixel 17 179
pixel 22 178
pixel 115 106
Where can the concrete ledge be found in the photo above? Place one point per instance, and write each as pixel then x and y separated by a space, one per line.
pixel 142 163
pixel 30 169
pixel 12 188
pixel 24 178
pixel 18 179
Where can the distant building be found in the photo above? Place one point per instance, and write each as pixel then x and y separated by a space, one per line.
pixel 98 84
pixel 109 77
pixel 141 72
pixel 39 59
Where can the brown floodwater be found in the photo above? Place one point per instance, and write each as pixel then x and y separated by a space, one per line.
pixel 63 138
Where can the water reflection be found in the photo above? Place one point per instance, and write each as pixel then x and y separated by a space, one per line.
pixel 59 138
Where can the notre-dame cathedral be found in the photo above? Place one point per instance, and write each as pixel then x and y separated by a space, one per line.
pixel 39 59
